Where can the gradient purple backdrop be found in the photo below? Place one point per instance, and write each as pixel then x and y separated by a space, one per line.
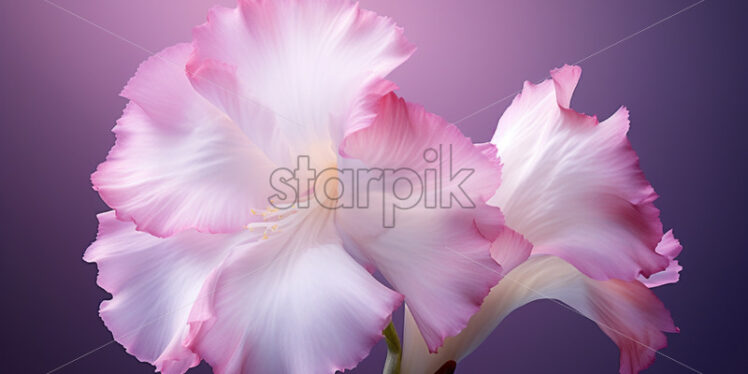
pixel 683 80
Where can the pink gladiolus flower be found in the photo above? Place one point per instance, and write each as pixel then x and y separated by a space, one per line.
pixel 584 229
pixel 201 267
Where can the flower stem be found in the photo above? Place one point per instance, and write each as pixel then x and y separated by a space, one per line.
pixel 394 350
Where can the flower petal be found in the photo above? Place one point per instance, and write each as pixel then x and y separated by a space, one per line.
pixel 628 312
pixel 510 249
pixel 295 303
pixel 669 247
pixel 436 256
pixel 573 187
pixel 405 135
pixel 294 72
pixel 154 283
pixel 179 162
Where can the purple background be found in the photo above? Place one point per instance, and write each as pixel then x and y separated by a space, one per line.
pixel 684 82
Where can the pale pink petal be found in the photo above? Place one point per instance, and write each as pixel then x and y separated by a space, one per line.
pixel 669 247
pixel 179 162
pixel 437 257
pixel 294 303
pixel 296 73
pixel 573 186
pixel 510 249
pixel 489 224
pixel 628 312
pixel 154 283
pixel 405 135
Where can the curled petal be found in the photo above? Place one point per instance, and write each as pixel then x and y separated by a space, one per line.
pixel 628 312
pixel 179 163
pixel 437 255
pixel 573 186
pixel 296 73
pixel 510 249
pixel 669 247
pixel 154 283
